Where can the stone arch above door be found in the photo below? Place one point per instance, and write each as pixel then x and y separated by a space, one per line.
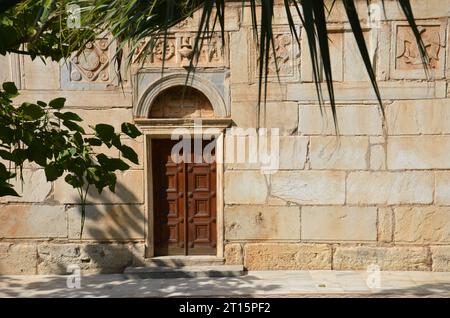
pixel 195 84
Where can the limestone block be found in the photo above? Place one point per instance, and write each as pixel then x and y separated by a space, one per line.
pixel 352 120
pixel 385 225
pixel 18 259
pixel 5 67
pixel 233 254
pixel 245 187
pixel 108 222
pixel 293 151
pixel 422 224
pixel 244 114
pixel 440 256
pixel 261 222
pixel 377 157
pixel 309 187
pixel 34 189
pixel 335 223
pixel 443 187
pixel 91 258
pixel 113 117
pixel 32 221
pixel 345 153
pixel 422 152
pixel 88 99
pixel 363 91
pixel 416 117
pixel 239 57
pixel 284 256
pixel 249 93
pixel 388 258
pixel 281 115
pixel 40 74
pixel 389 187
pixel 129 189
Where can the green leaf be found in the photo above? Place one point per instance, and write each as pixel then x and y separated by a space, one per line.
pixel 129 153
pixel 104 132
pixel 53 171
pixel 73 180
pixel 73 126
pixel 130 130
pixel 41 103
pixel 57 103
pixel 68 116
pixel 112 164
pixel 31 111
pixel 6 155
pixel 78 139
pixel 10 89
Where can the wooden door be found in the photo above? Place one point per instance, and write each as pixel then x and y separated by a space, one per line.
pixel 184 196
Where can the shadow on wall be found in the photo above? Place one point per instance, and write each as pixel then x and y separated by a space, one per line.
pixel 113 235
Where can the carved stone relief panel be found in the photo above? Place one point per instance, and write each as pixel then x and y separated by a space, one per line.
pixel 90 68
pixel 284 57
pixel 406 61
pixel 179 49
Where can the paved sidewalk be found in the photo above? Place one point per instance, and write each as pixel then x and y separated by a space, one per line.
pixel 255 284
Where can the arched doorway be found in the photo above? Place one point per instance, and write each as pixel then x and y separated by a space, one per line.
pixel 184 199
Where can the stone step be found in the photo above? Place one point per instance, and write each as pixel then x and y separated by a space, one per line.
pixel 180 261
pixel 184 271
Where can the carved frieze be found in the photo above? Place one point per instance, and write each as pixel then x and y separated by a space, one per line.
pixel 284 57
pixel 179 50
pixel 406 58
pixel 90 68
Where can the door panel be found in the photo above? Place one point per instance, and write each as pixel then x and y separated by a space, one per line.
pixel 184 203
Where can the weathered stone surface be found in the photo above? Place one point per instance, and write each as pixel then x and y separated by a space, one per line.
pixel 18 259
pixel 332 223
pixel 245 187
pixel 40 75
pixel 91 258
pixel 363 91
pixel 262 222
pixel 377 157
pixel 443 187
pixel 352 120
pixel 32 221
pixel 244 114
pixel 440 256
pixel 113 117
pixel 238 58
pixel 422 224
pixel 129 189
pixel 108 222
pixel 423 152
pixel 283 116
pixel 285 256
pixel 385 225
pixel 293 151
pixel 309 187
pixel 233 254
pixel 35 188
pixel 389 187
pixel 90 99
pixel 345 153
pixel 416 117
pixel 388 258
pixel 249 93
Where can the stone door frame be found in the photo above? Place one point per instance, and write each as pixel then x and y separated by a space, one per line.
pixel 162 129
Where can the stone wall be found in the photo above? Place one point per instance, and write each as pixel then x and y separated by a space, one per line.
pixel 378 194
